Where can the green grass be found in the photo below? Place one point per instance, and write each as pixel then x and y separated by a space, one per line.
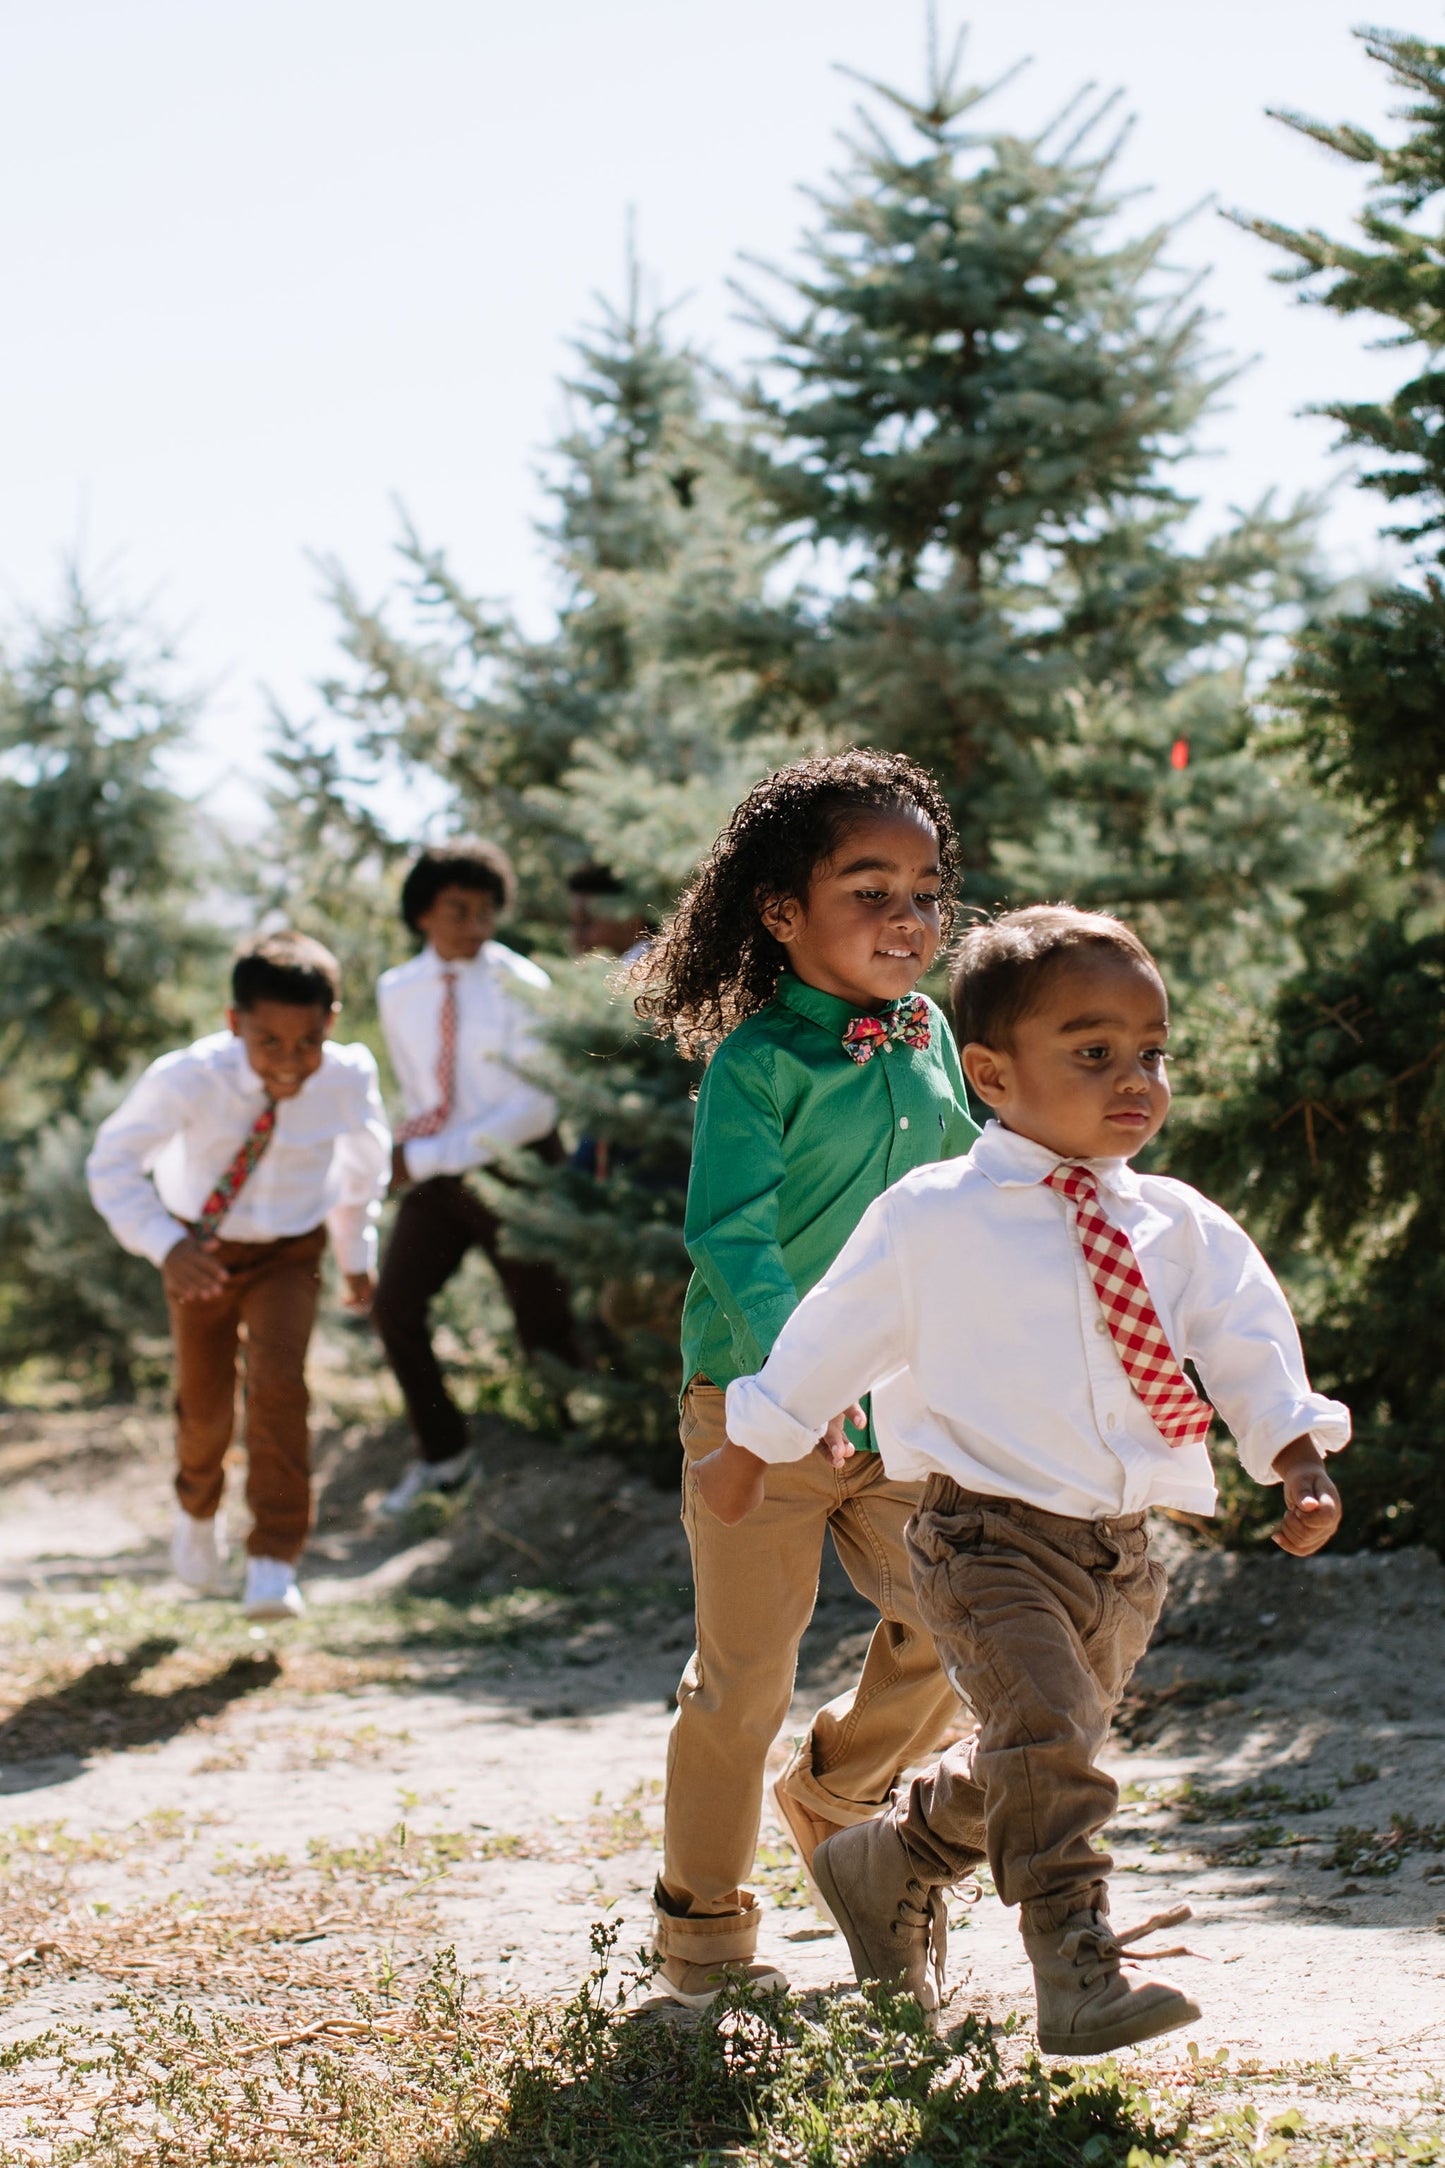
pixel 445 2081
pixel 444 2078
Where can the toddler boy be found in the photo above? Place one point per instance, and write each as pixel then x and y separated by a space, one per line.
pixel 225 1165
pixel 1021 1317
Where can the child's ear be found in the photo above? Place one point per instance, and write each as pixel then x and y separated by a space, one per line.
pixel 783 917
pixel 233 1021
pixel 331 1015
pixel 987 1071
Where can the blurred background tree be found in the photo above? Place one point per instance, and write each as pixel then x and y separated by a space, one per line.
pixel 103 958
pixel 979 388
pixel 1328 1132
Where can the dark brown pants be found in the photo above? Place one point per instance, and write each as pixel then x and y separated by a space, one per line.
pixel 1039 1620
pixel 437 1222
pixel 270 1304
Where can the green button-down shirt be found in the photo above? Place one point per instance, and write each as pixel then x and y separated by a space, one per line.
pixel 794 1140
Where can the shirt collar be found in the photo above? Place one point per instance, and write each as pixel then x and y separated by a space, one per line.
pixel 243 1076
pixel 1014 1162
pixel 830 1010
pixel 435 967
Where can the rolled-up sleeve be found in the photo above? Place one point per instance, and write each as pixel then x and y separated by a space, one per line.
pixel 362 1162
pixel 847 1336
pixel 1240 1332
pixel 126 1147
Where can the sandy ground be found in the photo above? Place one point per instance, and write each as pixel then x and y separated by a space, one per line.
pixel 522 1751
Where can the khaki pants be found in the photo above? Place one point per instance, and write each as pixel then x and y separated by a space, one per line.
pixel 270 1299
pixel 756 1587
pixel 1039 1621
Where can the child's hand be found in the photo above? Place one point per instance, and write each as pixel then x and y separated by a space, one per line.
pixel 835 1445
pixel 359 1291
pixel 400 1179
pixel 190 1272
pixel 1312 1504
pixel 730 1482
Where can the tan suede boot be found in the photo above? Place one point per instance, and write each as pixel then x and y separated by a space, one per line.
pixel 1089 2001
pixel 700 1957
pixel 895 1924
pixel 697 1987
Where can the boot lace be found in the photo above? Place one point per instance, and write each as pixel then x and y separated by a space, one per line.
pixel 1097 1952
pixel 924 1912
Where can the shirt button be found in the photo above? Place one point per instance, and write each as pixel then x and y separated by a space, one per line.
pixel 1110 1422
pixel 903 1121
pixel 1100 1326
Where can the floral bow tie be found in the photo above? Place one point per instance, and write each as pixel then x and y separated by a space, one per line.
pixel 908 1022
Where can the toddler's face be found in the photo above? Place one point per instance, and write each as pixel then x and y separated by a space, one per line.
pixel 284 1042
pixel 869 927
pixel 1085 1075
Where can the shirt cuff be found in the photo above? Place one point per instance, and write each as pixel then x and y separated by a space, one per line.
pixel 757 1423
pixel 353 1246
pixel 1325 1422
pixel 159 1237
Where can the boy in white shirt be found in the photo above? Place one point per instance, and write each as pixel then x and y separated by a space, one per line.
pixel 1020 1317
pixel 225 1165
pixel 459 1030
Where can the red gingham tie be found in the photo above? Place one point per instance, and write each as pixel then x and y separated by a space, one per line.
pixel 427 1125
pixel 238 1174
pixel 1149 1361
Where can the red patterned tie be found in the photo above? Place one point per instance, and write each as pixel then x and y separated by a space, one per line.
pixel 238 1174
pixel 1149 1362
pixel 427 1125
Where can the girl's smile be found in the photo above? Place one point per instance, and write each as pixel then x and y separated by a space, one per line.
pixel 870 924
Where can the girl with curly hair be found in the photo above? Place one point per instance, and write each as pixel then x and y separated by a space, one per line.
pixel 793 961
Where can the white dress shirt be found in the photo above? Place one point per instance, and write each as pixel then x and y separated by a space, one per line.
pixel 963 1302
pixel 158 1157
pixel 493 1108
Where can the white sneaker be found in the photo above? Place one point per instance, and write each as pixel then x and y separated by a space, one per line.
pixel 429 1475
pixel 271 1590
pixel 198 1552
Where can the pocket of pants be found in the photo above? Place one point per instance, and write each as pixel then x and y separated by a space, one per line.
pixel 938 1537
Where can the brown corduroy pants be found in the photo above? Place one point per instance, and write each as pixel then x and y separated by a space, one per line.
pixel 269 1306
pixel 1039 1620
pixel 756 1585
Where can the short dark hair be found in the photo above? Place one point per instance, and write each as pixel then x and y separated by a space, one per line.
pixel 594 879
pixel 460 862
pixel 285 966
pixel 1001 966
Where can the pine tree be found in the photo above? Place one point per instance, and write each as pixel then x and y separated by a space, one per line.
pixel 328 864
pixel 978 391
pixel 1331 1131
pixel 100 964
pixel 670 682
pixel 97 868
pixel 697 683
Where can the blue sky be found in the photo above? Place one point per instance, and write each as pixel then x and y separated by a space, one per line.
pixel 267 268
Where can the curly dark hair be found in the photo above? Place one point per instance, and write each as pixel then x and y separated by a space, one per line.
pixel 460 862
pixel 715 963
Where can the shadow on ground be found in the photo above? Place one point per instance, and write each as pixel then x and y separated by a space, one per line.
pixel 105 1707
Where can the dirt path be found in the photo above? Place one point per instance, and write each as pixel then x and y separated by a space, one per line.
pixel 186 1800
